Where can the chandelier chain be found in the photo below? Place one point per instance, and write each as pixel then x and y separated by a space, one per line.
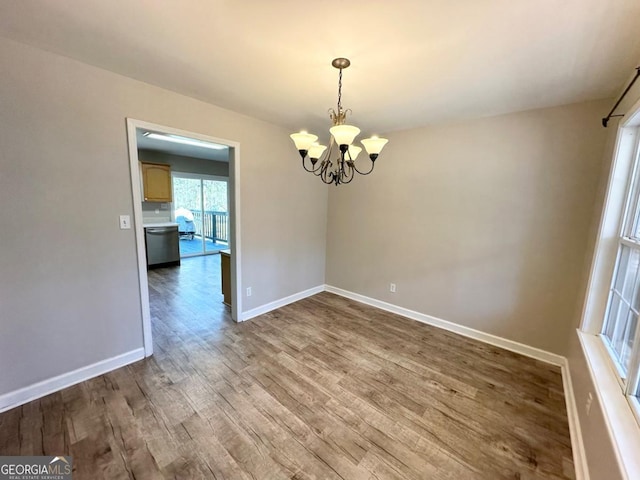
pixel 340 92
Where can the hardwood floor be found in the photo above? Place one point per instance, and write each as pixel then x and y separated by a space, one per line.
pixel 325 388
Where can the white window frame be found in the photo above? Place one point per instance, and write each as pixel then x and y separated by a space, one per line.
pixel 629 218
pixel 621 413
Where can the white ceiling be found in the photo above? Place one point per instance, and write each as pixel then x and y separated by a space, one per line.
pixel 414 62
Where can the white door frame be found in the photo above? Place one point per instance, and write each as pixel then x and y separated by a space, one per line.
pixel 234 213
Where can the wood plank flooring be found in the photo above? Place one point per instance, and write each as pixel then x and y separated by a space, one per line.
pixel 325 388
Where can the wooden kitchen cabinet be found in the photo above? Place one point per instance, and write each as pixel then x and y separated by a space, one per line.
pixel 156 182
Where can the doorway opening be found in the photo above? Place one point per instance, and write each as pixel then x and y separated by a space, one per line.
pixel 201 209
pixel 146 212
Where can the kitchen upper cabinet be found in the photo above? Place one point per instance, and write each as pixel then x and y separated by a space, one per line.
pixel 156 182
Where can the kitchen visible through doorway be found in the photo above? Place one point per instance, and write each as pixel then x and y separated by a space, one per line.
pixel 201 210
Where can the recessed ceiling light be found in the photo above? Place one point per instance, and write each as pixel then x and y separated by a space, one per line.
pixel 183 140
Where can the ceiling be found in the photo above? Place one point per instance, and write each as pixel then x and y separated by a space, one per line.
pixel 414 62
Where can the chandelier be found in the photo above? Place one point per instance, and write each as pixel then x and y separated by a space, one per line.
pixel 342 135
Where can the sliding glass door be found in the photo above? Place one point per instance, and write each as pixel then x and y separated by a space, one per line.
pixel 200 204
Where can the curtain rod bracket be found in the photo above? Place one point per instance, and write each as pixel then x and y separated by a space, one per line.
pixel 606 119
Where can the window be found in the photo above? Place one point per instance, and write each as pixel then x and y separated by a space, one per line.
pixel 200 209
pixel 620 331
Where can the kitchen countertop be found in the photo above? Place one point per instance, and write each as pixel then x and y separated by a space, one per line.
pixel 160 224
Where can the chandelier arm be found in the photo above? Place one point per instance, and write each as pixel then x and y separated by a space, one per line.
pixel 319 162
pixel 341 175
pixel 329 178
pixel 337 172
pixel 327 154
pixel 325 163
pixel 312 170
pixel 373 164
pixel 350 177
pixel 318 171
pixel 325 174
pixel 325 169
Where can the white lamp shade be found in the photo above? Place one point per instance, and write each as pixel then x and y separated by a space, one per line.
pixel 353 152
pixel 374 145
pixel 303 140
pixel 316 150
pixel 344 134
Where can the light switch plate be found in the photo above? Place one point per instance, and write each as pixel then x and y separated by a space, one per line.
pixel 125 222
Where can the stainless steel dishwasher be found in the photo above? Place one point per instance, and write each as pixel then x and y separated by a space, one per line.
pixel 163 247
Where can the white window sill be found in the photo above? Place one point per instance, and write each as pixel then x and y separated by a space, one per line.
pixel 623 427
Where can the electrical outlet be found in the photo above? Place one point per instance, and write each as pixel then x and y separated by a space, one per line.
pixel 248 291
pixel 589 402
pixel 392 287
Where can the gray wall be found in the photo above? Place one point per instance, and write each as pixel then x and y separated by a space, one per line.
pixel 482 223
pixel 69 293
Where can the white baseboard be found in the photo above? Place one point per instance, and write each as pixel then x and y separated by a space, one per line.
pixel 267 307
pixel 577 443
pixel 507 344
pixel 37 390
